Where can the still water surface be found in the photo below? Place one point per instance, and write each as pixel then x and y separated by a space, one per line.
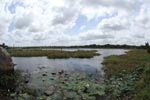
pixel 35 64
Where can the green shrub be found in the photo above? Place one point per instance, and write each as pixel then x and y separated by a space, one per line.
pixel 147 47
pixel 8 81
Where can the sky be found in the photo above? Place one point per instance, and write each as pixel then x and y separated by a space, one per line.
pixel 74 22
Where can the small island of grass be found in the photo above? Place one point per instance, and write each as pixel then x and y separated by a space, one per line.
pixel 52 54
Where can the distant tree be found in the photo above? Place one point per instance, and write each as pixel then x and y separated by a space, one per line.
pixel 3 45
pixel 147 47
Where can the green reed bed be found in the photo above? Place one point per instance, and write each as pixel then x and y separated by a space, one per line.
pixel 52 53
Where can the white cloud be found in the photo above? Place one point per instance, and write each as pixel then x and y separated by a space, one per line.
pixel 23 22
pixel 143 18
pixel 45 22
pixel 95 35
pixel 119 4
pixel 116 23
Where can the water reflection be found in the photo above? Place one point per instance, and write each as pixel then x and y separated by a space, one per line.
pixel 35 64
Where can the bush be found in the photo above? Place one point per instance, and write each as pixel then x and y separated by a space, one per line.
pixel 147 47
pixel 8 80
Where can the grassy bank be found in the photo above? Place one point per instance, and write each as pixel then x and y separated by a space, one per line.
pixel 128 75
pixel 52 53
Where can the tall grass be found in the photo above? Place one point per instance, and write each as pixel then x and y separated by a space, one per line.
pixel 52 53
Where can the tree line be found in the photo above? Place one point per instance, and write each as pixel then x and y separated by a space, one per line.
pixel 124 46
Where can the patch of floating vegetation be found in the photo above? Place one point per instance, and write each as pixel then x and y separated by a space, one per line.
pixel 64 86
pixel 52 53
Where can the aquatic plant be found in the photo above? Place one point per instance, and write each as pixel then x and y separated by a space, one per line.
pixel 123 80
pixel 76 86
pixel 119 86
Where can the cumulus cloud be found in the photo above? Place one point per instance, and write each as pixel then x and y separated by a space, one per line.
pixel 46 22
pixel 114 24
pixel 23 21
pixel 3 26
pixel 119 4
pixel 35 27
pixel 143 18
pixel 95 35
pixel 64 16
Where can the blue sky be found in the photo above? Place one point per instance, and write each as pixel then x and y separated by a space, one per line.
pixel 88 24
pixel 74 22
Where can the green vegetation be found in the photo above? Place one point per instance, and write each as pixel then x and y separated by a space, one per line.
pixel 13 87
pixel 143 85
pixel 78 86
pixel 52 53
pixel 147 47
pixel 8 83
pixel 63 86
pixel 115 46
pixel 120 86
pixel 128 76
pixel 7 78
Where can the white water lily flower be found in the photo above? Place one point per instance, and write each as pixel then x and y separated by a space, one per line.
pixel 87 85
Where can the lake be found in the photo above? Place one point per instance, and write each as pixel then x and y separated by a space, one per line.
pixel 36 66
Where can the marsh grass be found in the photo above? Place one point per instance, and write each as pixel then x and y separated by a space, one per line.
pixel 52 53
pixel 143 85
pixel 128 62
pixel 114 66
